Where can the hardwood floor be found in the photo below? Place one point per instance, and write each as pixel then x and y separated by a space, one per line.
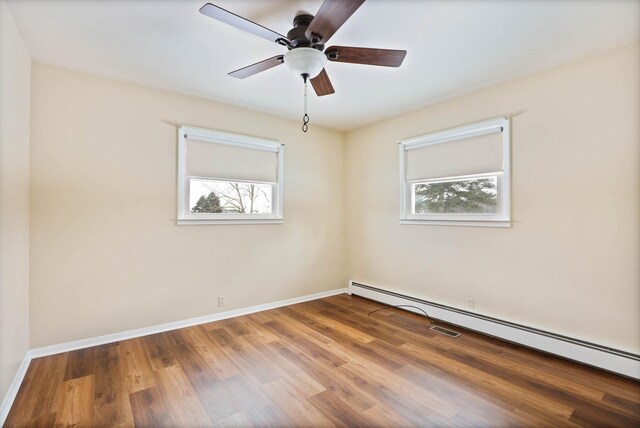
pixel 320 363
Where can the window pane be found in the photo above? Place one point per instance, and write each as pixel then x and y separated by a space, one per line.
pixel 215 196
pixel 460 196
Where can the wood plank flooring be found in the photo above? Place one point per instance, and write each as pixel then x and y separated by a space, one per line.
pixel 320 363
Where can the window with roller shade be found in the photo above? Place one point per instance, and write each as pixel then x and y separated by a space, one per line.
pixel 459 176
pixel 228 178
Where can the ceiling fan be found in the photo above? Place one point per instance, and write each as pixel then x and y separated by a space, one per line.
pixel 306 55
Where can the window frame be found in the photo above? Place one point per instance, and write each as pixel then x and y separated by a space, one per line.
pixel 502 217
pixel 186 217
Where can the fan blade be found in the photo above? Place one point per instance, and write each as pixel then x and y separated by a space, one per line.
pixel 383 57
pixel 322 85
pixel 237 21
pixel 256 68
pixel 330 17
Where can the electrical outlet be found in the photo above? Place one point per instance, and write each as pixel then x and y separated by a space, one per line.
pixel 471 303
pixel 220 301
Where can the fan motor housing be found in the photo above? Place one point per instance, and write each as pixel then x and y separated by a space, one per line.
pixel 297 33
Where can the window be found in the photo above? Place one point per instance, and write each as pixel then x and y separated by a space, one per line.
pixel 457 177
pixel 228 178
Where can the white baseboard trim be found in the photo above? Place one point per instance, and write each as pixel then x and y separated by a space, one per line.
pixel 613 360
pixel 161 328
pixel 14 387
pixel 139 332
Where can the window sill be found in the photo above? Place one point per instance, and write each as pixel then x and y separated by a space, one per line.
pixel 192 222
pixel 465 223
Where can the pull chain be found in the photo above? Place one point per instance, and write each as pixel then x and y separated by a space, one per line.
pixel 305 118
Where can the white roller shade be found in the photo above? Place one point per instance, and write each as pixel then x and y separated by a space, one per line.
pixel 475 155
pixel 206 159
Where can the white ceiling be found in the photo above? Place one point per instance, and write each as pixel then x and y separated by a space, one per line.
pixel 453 47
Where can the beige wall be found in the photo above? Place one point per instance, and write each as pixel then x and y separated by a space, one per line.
pixel 15 66
pixel 106 254
pixel 570 262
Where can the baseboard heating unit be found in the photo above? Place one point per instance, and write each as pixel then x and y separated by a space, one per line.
pixel 606 358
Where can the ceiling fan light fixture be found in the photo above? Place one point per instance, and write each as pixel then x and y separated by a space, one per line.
pixel 303 61
pixel 305 57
